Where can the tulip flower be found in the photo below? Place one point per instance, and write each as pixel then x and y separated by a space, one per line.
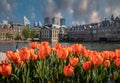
pixel 33 45
pixel 5 69
pixel 117 62
pixel 68 70
pixel 73 61
pixel 62 53
pixel 107 63
pixel 86 65
pixel 24 54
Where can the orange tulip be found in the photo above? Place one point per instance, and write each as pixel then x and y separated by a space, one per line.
pixel 117 62
pixel 5 69
pixel 45 43
pixel 33 45
pixel 86 65
pixel 107 63
pixel 68 70
pixel 9 55
pixel 34 57
pixel 13 57
pixel 79 49
pixel 73 61
pixel 57 46
pixel 62 53
pixel 117 52
pixel 97 60
pixel 69 50
pixel 41 52
pixel 89 53
pixel 24 54
pixel 47 50
pixel 105 54
pixel 112 55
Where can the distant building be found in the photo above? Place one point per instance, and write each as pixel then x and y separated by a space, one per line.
pixel 55 21
pixel 47 21
pixel 62 22
pixel 79 33
pixel 49 33
pixel 63 30
pixel 105 23
pixel 37 24
pixel 13 29
pixel 106 30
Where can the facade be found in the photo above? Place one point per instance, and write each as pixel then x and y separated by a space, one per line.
pixel 82 32
pixel 111 33
pixel 55 21
pixel 51 29
pixel 13 29
pixel 63 30
pixel 106 30
pixel 49 33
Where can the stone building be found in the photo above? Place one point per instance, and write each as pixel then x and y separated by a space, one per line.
pixel 50 30
pixel 106 30
pixel 63 30
pixel 49 33
pixel 13 29
pixel 108 33
pixel 83 32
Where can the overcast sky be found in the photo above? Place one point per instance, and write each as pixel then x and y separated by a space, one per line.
pixel 74 11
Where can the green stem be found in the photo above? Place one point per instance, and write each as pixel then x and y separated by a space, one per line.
pixel 16 77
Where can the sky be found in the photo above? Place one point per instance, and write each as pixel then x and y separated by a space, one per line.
pixel 74 11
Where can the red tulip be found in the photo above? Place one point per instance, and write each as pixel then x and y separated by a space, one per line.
pixel 5 69
pixel 62 53
pixel 86 65
pixel 33 45
pixel 68 70
pixel 107 63
pixel 24 54
pixel 117 62
pixel 73 61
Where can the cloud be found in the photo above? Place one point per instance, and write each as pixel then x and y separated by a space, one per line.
pixel 4 5
pixel 107 10
pixel 6 9
pixel 52 7
pixel 117 12
pixel 79 8
pixel 58 15
pixel 94 17
pixel 64 5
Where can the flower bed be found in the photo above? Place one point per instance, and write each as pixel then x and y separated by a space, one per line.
pixel 70 64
